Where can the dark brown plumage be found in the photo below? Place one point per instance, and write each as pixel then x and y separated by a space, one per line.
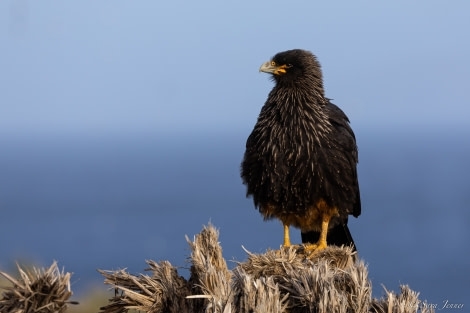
pixel 300 160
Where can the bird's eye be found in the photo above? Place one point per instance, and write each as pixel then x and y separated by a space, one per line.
pixel 289 65
pixel 273 63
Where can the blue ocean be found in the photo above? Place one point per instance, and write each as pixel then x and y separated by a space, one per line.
pixel 113 201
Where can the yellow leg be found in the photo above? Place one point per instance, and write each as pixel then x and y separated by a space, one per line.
pixel 321 243
pixel 286 236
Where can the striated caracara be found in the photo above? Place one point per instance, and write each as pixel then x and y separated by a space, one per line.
pixel 300 160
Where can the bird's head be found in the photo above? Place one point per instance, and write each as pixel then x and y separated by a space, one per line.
pixel 293 66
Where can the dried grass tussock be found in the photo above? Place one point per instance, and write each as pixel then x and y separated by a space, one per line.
pixel 331 281
pixel 44 290
pixel 285 280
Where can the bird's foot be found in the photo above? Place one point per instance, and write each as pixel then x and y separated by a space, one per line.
pixel 310 249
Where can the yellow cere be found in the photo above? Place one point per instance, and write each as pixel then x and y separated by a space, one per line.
pixel 281 69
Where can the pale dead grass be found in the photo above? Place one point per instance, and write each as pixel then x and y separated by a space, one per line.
pixel 277 281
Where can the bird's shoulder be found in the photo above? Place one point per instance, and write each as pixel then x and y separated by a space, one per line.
pixel 339 120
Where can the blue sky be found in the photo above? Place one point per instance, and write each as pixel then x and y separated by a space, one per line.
pixel 157 66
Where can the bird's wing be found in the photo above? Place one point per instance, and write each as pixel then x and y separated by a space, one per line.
pixel 344 141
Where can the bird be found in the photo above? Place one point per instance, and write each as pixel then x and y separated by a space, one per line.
pixel 300 162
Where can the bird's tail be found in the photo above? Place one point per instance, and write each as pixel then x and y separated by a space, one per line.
pixel 337 236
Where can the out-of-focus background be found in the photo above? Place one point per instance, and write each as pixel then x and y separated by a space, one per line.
pixel 123 124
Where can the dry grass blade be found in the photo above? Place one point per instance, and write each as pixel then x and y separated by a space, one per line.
pixel 406 302
pixel 44 290
pixel 163 291
pixel 258 295
pixel 206 251
pixel 209 273
pixel 357 287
